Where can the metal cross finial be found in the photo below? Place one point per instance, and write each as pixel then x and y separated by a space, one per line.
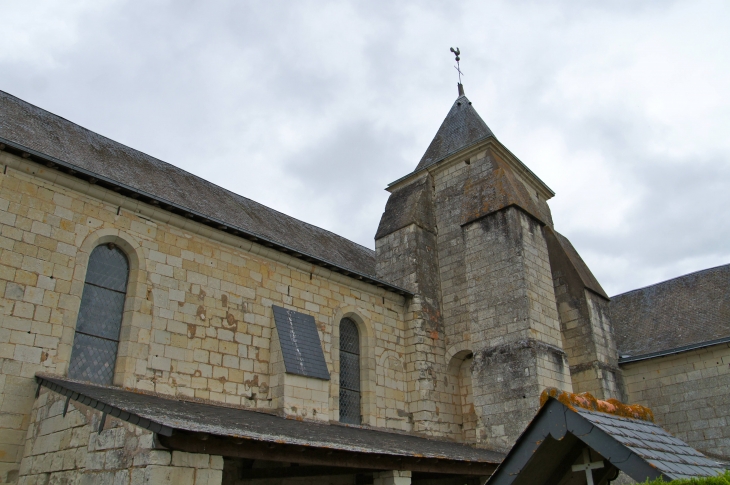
pixel 457 53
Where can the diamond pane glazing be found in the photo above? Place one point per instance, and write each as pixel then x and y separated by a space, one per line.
pixel 349 337
pixel 349 407
pixel 349 371
pixel 92 359
pixel 100 313
pixel 108 268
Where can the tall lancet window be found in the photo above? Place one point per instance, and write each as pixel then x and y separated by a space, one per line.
pixel 349 372
pixel 100 316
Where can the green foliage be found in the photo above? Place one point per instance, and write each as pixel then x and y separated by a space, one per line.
pixel 723 479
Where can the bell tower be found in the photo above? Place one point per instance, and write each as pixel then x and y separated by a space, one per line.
pixel 469 231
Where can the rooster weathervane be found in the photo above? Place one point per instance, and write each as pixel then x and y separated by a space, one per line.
pixel 457 53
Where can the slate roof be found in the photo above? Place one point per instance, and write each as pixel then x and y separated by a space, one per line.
pixel 580 266
pixel 37 131
pixel 556 436
pixel 461 128
pixel 671 456
pixel 167 415
pixel 680 313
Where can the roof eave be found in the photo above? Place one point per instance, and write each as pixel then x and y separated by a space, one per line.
pixel 89 176
pixel 677 350
pixel 178 438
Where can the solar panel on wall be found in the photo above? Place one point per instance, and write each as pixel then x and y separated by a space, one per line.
pixel 300 345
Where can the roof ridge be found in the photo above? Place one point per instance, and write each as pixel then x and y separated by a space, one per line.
pixel 51 135
pixel 181 169
pixel 706 270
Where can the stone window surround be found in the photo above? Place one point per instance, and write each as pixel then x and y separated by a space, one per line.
pixel 136 292
pixel 368 409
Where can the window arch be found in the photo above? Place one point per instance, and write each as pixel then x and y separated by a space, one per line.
pixel 99 322
pixel 349 372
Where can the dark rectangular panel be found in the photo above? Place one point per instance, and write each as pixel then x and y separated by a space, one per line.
pixel 300 343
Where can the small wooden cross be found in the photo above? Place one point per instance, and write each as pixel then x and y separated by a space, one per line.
pixel 587 466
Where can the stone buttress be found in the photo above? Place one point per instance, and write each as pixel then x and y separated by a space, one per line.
pixel 406 244
pixel 583 308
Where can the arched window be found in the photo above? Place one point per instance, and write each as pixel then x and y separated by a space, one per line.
pixel 349 372
pixel 100 316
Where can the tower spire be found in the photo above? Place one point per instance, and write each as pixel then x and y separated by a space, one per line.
pixel 457 53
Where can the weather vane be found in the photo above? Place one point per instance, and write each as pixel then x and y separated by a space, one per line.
pixel 457 53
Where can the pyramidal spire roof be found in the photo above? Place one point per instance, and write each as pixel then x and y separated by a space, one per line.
pixel 461 128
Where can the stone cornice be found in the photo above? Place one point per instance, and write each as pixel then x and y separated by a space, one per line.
pixel 487 143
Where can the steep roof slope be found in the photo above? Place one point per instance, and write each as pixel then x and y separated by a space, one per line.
pixel 461 128
pixel 580 266
pixel 38 130
pixel 691 309
pixel 617 436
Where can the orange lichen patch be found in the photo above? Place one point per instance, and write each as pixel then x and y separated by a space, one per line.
pixel 587 401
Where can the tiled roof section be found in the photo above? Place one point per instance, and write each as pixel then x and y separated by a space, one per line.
pixel 580 266
pixel 561 432
pixel 300 345
pixel 44 132
pixel 688 310
pixel 411 204
pixel 461 128
pixel 671 456
pixel 168 415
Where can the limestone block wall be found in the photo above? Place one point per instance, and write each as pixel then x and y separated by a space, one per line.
pixel 587 333
pixel 407 256
pixel 70 449
pixel 198 319
pixel 458 385
pixel 515 330
pixel 688 393
pixel 468 269
pixel 449 188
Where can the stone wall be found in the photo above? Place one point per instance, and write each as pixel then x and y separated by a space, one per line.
pixel 688 393
pixel 70 449
pixel 515 329
pixel 492 271
pixel 198 319
pixel 587 332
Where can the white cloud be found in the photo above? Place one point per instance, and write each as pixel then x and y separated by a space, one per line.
pixel 312 107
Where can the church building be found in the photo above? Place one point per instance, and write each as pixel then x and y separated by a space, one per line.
pixel 156 328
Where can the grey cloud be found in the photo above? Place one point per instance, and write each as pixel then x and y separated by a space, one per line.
pixel 313 107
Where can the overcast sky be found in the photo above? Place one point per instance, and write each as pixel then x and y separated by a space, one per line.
pixel 313 107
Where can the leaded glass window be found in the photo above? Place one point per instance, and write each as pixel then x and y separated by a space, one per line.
pixel 349 372
pixel 100 316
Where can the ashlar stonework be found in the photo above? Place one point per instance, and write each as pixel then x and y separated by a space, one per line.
pixel 469 307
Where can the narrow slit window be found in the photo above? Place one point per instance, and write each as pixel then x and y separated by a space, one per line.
pixel 349 372
pixel 99 322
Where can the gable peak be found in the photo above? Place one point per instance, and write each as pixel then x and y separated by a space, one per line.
pixel 462 128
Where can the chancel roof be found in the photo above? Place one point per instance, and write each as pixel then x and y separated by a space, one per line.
pixel 461 128
pixel 681 313
pixel 43 134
